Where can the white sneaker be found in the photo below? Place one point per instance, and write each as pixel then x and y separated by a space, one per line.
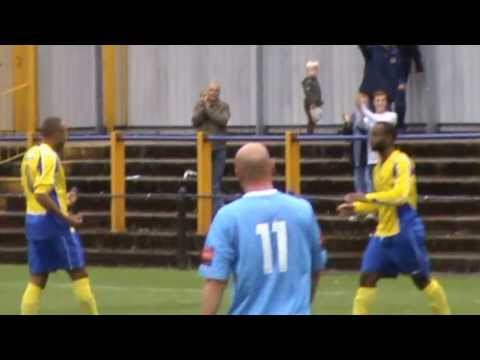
pixel 371 217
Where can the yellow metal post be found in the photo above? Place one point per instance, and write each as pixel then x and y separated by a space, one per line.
pixel 30 140
pixel 292 163
pixel 110 86
pixel 118 186
pixel 25 88
pixel 204 184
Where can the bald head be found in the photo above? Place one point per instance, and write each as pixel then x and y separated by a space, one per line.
pixel 213 91
pixel 51 126
pixel 214 85
pixel 54 132
pixel 254 165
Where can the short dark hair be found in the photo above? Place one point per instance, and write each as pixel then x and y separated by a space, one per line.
pixel 50 126
pixel 380 93
pixel 390 129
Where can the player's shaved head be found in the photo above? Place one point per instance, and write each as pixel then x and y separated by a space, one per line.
pixel 253 164
pixel 54 133
pixel 383 136
pixel 51 126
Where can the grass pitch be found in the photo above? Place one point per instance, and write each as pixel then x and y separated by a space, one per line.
pixel 131 291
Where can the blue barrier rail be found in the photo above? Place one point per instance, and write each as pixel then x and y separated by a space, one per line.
pixel 13 138
pixel 307 138
pixel 179 138
pixel 254 138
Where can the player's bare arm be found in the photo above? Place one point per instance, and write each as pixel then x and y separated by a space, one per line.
pixel 49 205
pixel 315 282
pixel 355 197
pixel 72 197
pixel 212 296
pixel 346 209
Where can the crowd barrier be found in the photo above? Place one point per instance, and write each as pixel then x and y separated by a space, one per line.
pixel 204 144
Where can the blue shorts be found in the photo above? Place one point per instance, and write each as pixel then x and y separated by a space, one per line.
pixel 405 253
pixel 52 246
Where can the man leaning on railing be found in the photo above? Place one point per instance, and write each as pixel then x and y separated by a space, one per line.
pixel 211 116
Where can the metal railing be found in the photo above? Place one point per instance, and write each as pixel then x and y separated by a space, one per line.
pixel 246 138
pixel 204 144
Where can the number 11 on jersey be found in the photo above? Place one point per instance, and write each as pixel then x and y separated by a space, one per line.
pixel 280 229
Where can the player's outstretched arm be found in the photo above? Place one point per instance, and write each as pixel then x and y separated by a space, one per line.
pixel 212 296
pixel 365 208
pixel 350 208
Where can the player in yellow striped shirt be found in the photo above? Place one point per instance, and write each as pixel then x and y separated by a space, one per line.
pixel 53 243
pixel 398 246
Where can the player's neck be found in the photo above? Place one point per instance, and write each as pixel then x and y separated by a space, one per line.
pixel 49 143
pixel 386 154
pixel 258 186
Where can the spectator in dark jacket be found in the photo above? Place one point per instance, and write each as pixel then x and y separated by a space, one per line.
pixel 406 55
pixel 378 74
pixel 387 68
pixel 313 96
pixel 211 115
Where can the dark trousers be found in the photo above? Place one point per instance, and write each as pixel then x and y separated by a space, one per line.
pixel 311 124
pixel 311 128
pixel 219 157
pixel 401 108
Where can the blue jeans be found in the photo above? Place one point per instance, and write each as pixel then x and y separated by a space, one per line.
pixel 219 157
pixel 363 179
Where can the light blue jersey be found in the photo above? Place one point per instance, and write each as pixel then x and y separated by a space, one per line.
pixel 269 243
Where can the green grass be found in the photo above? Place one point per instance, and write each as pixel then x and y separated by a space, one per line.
pixel 167 292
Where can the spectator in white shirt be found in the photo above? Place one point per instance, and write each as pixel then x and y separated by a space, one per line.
pixel 380 103
pixel 382 114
